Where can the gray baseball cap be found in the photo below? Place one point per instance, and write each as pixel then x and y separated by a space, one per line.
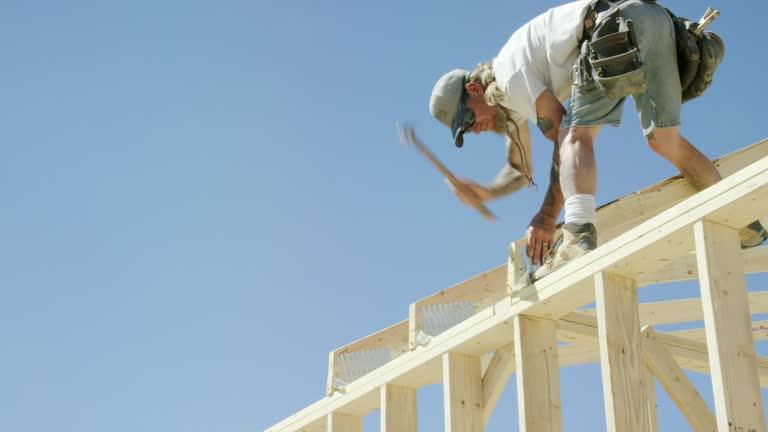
pixel 447 103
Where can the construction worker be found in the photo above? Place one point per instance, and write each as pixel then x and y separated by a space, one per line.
pixel 543 65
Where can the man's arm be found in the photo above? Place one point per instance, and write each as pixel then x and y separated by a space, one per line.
pixel 549 114
pixel 517 171
pixel 540 233
pixel 515 175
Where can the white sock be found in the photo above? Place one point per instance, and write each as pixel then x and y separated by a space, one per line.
pixel 580 209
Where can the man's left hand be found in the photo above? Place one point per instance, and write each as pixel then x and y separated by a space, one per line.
pixel 539 237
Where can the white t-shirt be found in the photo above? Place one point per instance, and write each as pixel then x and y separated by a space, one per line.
pixel 540 55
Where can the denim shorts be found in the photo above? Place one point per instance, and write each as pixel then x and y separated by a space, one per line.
pixel 659 106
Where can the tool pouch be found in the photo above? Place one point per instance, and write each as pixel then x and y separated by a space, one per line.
pixel 614 57
pixel 712 50
pixel 697 57
pixel 582 71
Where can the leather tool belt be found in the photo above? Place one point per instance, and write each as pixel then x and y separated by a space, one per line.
pixel 610 58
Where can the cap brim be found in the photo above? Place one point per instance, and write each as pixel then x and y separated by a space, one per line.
pixel 457 131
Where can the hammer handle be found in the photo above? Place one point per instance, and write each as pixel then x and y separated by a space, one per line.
pixel 447 173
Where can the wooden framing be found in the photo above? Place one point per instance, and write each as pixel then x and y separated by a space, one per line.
pixel 499 370
pixel 485 333
pixel 621 354
pixel 652 407
pixel 674 380
pixel 463 393
pixel 738 401
pixel 365 355
pixel 398 409
pixel 338 422
pixel 449 307
pixel 538 383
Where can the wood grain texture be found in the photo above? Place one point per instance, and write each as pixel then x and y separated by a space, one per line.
pixel 398 409
pixel 621 358
pixel 462 393
pixel 338 422
pixel 677 384
pixel 732 357
pixel 538 375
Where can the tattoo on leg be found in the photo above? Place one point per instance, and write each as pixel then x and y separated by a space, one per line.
pixel 649 136
pixel 545 125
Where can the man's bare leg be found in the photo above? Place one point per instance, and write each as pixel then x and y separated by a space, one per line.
pixel 578 171
pixel 578 180
pixel 698 170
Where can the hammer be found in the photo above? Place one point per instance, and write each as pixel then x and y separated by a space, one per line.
pixel 407 136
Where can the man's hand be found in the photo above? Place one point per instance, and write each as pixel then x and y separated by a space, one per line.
pixel 469 192
pixel 539 237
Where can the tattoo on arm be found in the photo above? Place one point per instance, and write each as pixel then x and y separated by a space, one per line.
pixel 545 125
pixel 553 200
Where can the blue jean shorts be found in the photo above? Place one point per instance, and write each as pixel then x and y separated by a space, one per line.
pixel 659 106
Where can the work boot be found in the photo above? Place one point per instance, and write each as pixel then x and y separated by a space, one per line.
pixel 752 235
pixel 574 241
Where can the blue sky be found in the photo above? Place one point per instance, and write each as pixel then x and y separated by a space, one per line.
pixel 201 199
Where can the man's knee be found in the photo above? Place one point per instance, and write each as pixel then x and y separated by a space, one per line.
pixel 577 138
pixel 665 142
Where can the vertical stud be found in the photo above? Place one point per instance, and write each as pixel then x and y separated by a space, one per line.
pixel 463 393
pixel 538 375
pixel 621 355
pixel 398 409
pixel 338 422
pixel 727 322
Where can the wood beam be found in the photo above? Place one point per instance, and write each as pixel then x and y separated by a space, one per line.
pixel 338 422
pixel 462 393
pixel 651 404
pixel 677 311
pixel 480 291
pixel 495 378
pixel 364 355
pixel 398 409
pixel 677 384
pixel 538 375
pixel 621 359
pixel 732 356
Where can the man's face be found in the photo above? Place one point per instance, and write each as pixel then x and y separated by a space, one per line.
pixel 486 117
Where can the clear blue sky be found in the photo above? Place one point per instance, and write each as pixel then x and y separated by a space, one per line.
pixel 201 199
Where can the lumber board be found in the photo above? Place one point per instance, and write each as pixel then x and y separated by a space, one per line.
pixel 338 422
pixel 621 354
pixel 651 403
pixel 481 291
pixel 732 357
pixel 538 375
pixel 393 339
pixel 684 268
pixel 759 332
pixel 676 383
pixel 691 354
pixel 495 378
pixel 398 409
pixel 686 310
pixel 462 393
